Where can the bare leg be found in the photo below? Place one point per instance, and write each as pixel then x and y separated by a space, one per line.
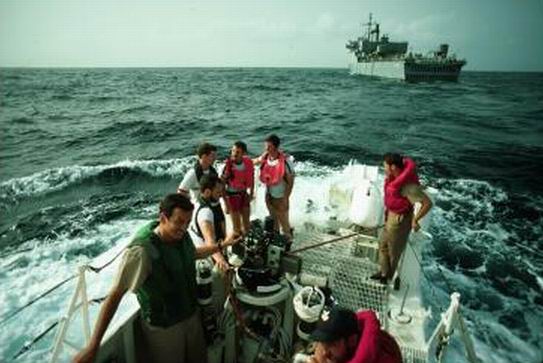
pixel 282 205
pixel 236 221
pixel 270 203
pixel 245 219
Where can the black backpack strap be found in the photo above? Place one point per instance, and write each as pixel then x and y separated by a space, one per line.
pixel 198 230
pixel 218 218
pixel 200 172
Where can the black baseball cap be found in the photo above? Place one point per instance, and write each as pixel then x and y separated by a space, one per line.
pixel 338 323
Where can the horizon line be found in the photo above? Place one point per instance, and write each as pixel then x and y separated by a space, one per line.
pixel 235 67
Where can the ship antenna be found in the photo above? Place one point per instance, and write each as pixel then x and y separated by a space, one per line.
pixel 369 27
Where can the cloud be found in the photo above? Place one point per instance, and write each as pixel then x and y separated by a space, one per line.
pixel 426 32
pixel 325 22
pixel 324 25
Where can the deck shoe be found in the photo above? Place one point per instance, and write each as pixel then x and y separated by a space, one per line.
pixel 377 276
pixel 397 282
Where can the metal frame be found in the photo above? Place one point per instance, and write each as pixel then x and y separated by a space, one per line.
pixel 79 301
pixel 444 330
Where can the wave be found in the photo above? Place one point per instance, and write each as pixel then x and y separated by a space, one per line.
pixel 482 243
pixel 60 117
pixel 22 120
pixel 62 97
pixel 134 109
pixel 100 99
pixel 142 131
pixel 7 76
pixel 30 274
pixel 52 180
pixel 263 87
pixel 56 179
pixel 71 219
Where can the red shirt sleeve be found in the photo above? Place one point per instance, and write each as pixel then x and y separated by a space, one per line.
pixel 368 346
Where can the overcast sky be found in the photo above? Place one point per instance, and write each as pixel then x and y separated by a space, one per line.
pixel 491 34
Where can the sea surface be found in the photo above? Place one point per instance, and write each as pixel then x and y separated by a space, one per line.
pixel 85 154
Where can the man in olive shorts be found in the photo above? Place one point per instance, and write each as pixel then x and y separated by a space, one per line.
pixel 402 191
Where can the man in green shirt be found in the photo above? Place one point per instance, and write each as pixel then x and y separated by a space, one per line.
pixel 158 266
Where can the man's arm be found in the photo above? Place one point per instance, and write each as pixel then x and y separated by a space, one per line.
pixel 207 250
pixel 258 160
pixel 319 356
pixel 187 184
pixel 289 184
pixel 426 205
pixel 208 233
pixel 107 312
pixel 369 339
pixel 289 178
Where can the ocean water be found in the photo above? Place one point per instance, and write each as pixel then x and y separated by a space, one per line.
pixel 85 154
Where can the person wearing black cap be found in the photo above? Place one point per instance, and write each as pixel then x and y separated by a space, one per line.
pixel 343 336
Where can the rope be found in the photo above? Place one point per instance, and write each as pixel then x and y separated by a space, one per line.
pixel 29 345
pixel 10 315
pixel 342 238
pixel 25 348
pixel 94 269
pixel 449 285
pixel 322 243
pixel 98 269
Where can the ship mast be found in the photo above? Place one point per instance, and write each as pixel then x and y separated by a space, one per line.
pixel 371 31
pixel 369 27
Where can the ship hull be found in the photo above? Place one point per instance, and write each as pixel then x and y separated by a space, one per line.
pixel 385 69
pixel 417 72
pixel 408 71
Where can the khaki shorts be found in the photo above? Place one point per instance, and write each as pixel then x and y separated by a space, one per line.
pixel 393 241
pixel 180 343
pixel 397 228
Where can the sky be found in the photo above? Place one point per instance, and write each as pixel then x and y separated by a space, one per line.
pixel 493 35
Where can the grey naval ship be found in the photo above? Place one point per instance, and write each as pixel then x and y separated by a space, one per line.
pixel 373 54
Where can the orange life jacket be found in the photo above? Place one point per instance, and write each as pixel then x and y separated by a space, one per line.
pixel 239 179
pixel 394 201
pixel 273 174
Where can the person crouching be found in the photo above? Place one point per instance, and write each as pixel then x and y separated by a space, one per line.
pixel 343 336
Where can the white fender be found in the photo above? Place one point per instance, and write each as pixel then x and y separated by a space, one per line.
pixel 367 205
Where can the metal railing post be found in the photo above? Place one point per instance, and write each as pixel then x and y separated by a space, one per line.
pixel 85 303
pixel 80 290
pixel 468 343
pixel 449 320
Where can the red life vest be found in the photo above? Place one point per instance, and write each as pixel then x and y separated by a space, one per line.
pixel 239 179
pixel 273 174
pixel 394 201
pixel 375 345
